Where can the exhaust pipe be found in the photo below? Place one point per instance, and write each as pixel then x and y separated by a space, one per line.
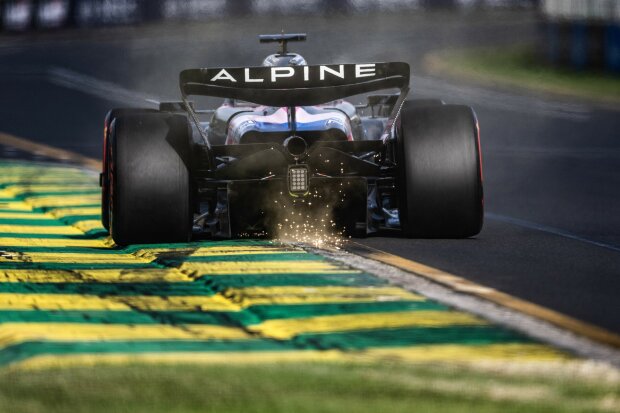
pixel 296 146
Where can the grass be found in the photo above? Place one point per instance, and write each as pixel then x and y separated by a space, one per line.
pixel 519 67
pixel 311 387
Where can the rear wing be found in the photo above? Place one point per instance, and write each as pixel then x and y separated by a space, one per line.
pixel 294 85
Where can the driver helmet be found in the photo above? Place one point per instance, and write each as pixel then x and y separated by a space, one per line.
pixel 280 60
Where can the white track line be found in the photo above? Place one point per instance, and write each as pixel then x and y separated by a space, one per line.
pixel 476 96
pixel 549 230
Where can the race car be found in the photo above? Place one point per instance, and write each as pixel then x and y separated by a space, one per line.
pixel 288 139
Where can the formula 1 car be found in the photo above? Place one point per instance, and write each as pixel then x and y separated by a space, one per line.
pixel 285 143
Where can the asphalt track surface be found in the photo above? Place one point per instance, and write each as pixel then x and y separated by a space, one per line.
pixel 552 232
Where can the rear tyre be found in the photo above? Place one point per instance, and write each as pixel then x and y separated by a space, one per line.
pixel 440 172
pixel 150 196
pixel 105 179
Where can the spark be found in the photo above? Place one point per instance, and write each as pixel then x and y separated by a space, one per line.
pixel 311 223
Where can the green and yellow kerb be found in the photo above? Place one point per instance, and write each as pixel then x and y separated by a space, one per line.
pixel 68 295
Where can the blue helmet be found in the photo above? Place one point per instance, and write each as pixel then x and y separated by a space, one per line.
pixel 288 59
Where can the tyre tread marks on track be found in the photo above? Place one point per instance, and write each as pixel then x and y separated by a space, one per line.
pixel 69 295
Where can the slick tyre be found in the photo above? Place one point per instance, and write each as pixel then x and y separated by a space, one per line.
pixel 440 172
pixel 150 195
pixel 105 178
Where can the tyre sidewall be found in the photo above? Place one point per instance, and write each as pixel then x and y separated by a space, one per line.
pixel 150 180
pixel 439 175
